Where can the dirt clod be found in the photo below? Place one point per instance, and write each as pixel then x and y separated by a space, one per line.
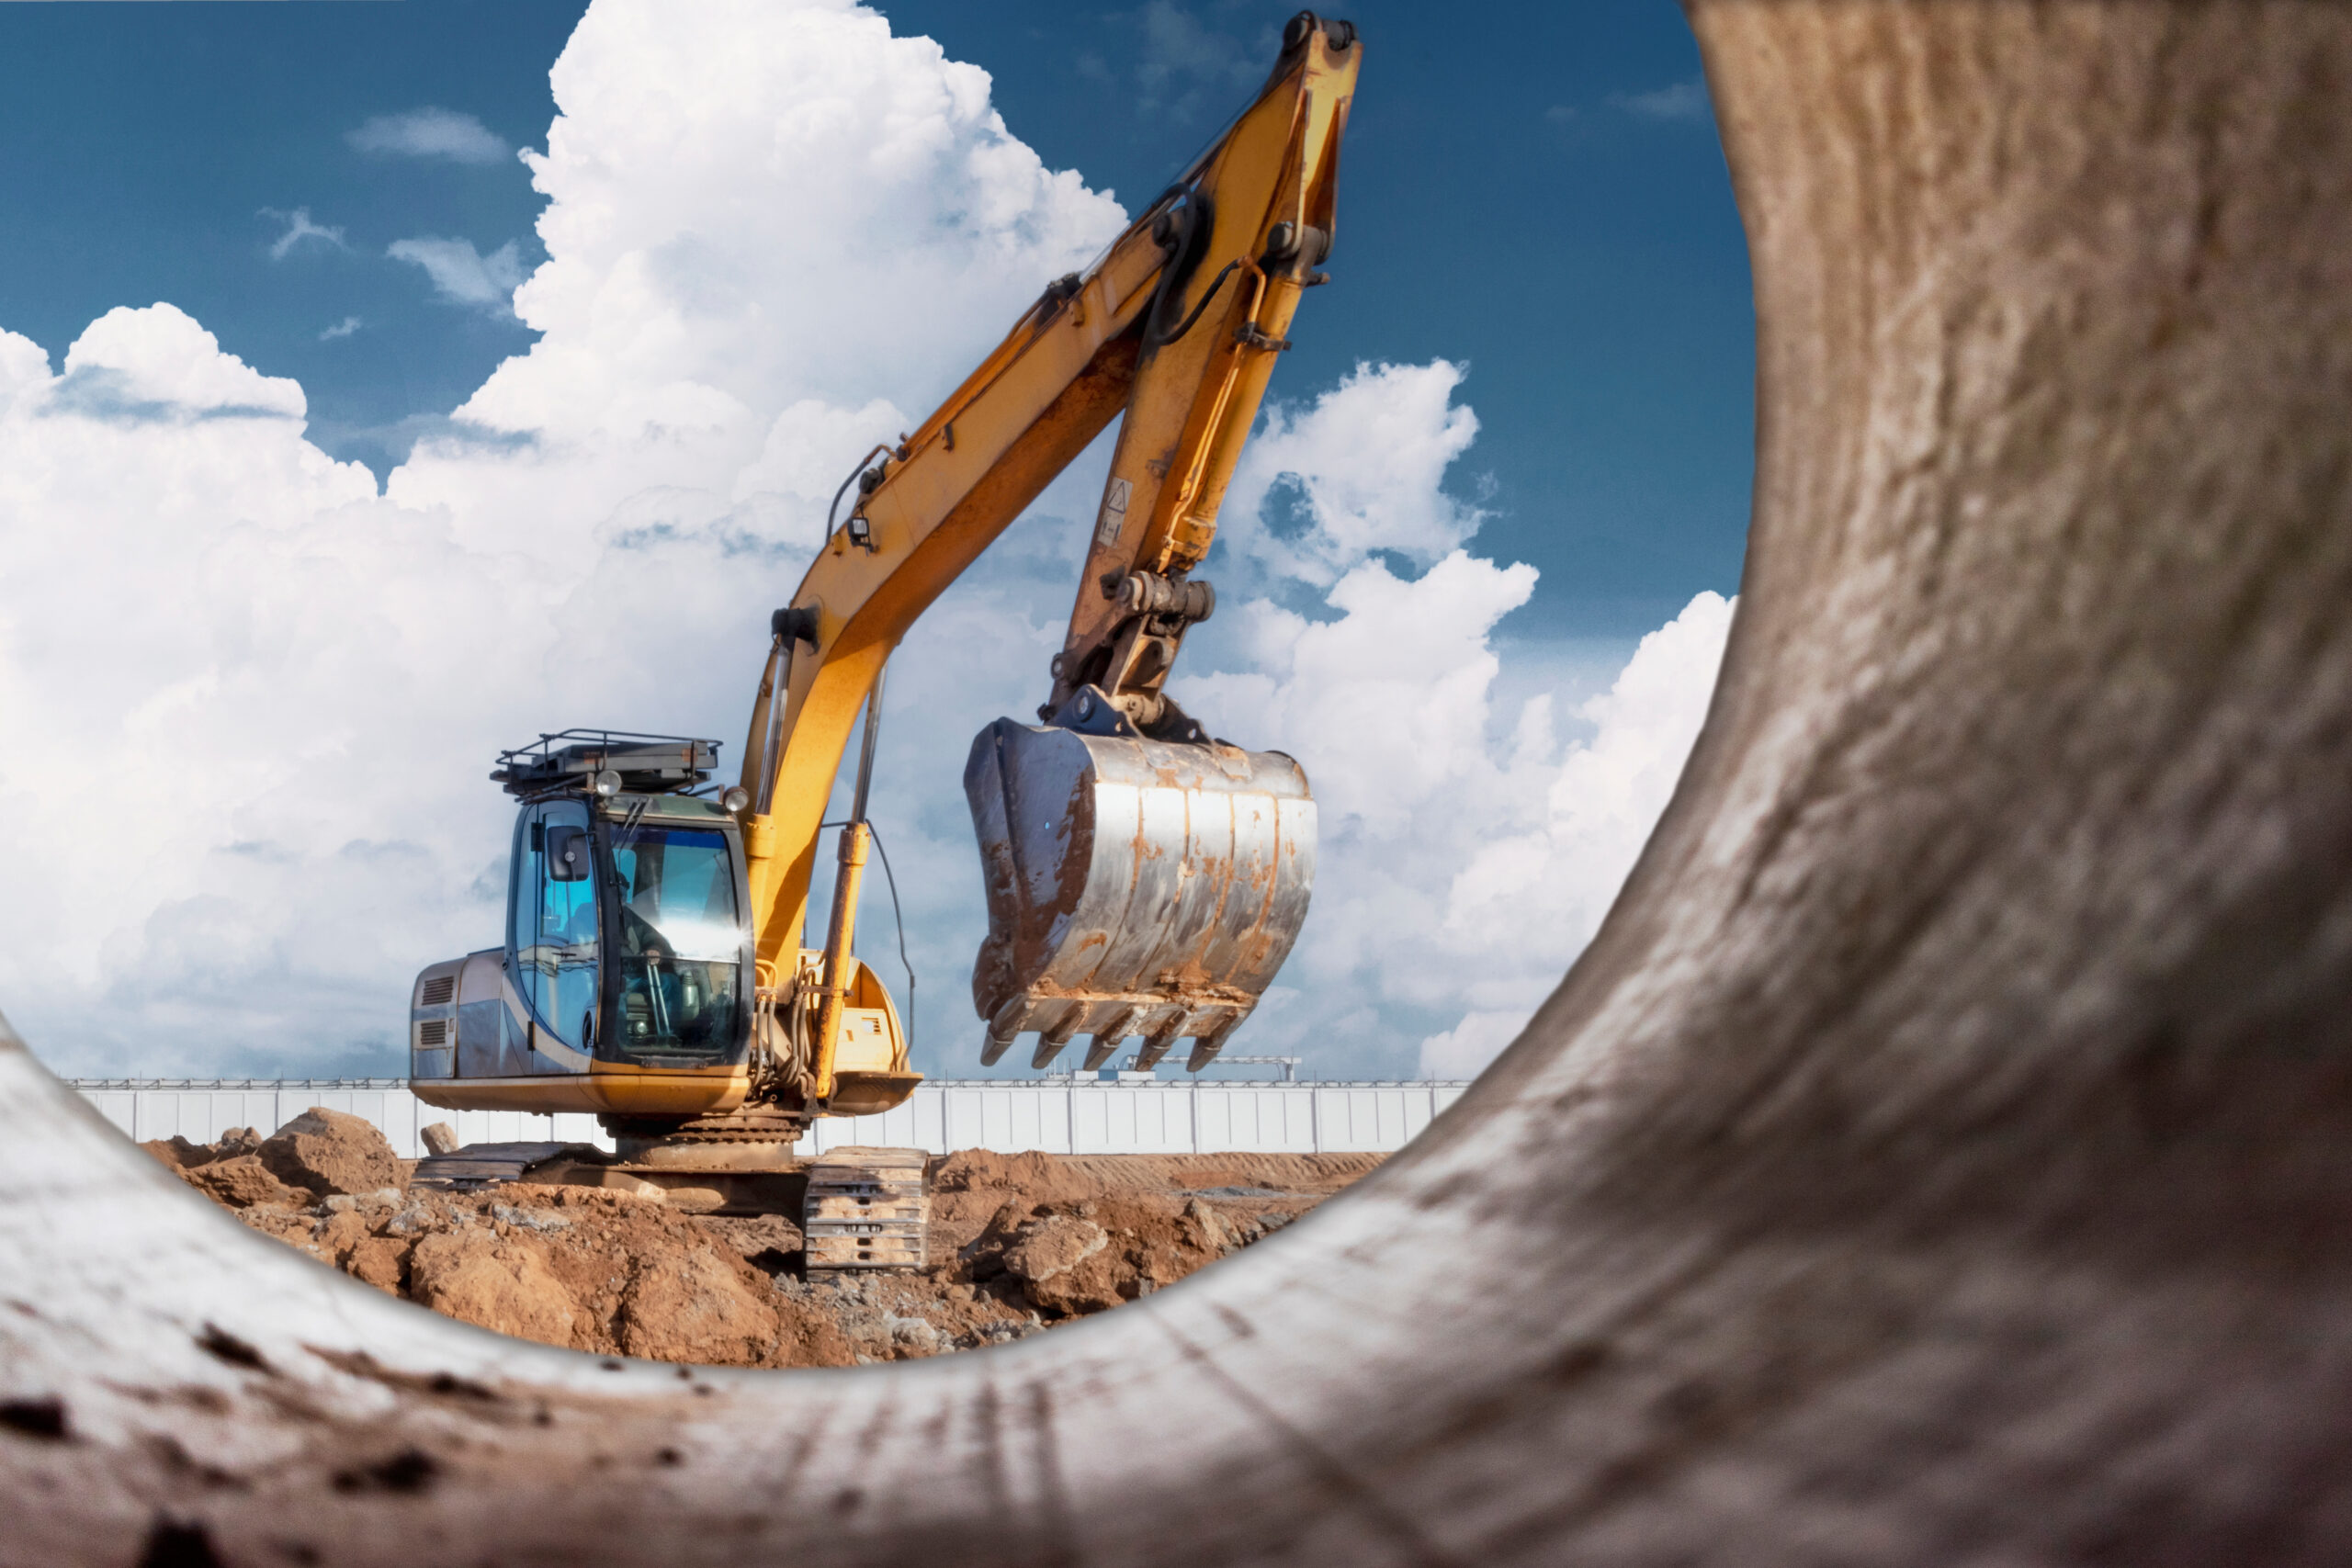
pixel 504 1286
pixel 326 1151
pixel 242 1182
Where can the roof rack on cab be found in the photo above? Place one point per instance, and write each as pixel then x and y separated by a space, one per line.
pixel 573 760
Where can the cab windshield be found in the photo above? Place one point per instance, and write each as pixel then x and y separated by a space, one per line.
pixel 681 945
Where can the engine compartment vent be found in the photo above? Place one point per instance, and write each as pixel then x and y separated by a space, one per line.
pixel 437 991
pixel 433 1031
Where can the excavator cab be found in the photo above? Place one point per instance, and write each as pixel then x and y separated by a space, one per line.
pixel 628 965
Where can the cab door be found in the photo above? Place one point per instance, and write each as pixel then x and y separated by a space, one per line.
pixel 553 954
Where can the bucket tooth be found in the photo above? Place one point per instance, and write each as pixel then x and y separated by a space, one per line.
pixel 1108 1035
pixel 1050 1044
pixel 1154 1048
pixel 1206 1048
pixel 1004 1027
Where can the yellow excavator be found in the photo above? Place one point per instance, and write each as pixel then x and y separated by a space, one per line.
pixel 1143 880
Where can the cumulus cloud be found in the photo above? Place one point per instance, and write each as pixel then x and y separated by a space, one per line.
pixel 774 232
pixel 300 228
pixel 1357 472
pixel 1470 846
pixel 266 808
pixel 431 132
pixel 462 275
pixel 342 328
pixel 158 366
pixel 1526 901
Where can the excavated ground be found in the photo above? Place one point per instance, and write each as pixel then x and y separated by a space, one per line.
pixel 1018 1243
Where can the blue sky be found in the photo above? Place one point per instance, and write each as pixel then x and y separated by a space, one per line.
pixel 1476 588
pixel 1535 190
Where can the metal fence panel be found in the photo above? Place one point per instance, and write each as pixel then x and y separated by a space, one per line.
pixel 1055 1115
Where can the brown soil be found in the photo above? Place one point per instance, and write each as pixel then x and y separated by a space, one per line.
pixel 1018 1243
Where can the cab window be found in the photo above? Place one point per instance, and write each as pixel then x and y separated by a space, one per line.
pixel 555 921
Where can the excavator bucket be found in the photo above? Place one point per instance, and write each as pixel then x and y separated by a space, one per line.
pixel 1134 887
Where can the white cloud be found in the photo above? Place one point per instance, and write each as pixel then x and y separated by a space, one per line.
pixel 430 134
pixel 1464 1050
pixel 1361 468
pixel 773 231
pixel 461 274
pixel 1469 849
pixel 342 328
pixel 300 228
pixel 271 808
pixel 1683 100
pixel 1523 904
pixel 158 364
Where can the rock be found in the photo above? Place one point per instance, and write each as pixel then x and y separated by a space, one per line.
pixel 327 1152
pixel 1206 1229
pixel 1052 1246
pixel 701 1307
pixel 914 1336
pixel 439 1137
pixel 410 1221
pixel 244 1182
pixel 501 1285
pixel 983 1256
pixel 1065 1265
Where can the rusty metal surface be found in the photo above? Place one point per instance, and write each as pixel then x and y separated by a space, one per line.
pixel 1134 887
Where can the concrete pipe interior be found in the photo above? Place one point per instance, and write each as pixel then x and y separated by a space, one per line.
pixel 1943 1155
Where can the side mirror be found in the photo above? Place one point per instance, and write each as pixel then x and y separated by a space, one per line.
pixel 567 854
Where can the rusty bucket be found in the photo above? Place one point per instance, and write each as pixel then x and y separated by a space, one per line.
pixel 1134 887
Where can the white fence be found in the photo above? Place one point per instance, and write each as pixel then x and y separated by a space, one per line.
pixel 1059 1115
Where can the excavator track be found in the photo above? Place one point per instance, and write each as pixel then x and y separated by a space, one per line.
pixel 866 1208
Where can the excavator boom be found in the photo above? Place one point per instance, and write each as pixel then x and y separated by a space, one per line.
pixel 1177 327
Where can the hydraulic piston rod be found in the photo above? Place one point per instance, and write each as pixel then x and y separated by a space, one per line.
pixel 841 929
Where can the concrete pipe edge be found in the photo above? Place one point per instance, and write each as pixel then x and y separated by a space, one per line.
pixel 1943 1154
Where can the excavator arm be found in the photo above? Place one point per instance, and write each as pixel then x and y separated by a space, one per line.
pixel 1177 326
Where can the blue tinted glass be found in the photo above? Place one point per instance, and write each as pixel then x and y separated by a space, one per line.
pixel 681 944
pixel 559 961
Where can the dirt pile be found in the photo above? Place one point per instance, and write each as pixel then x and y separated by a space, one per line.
pixel 1018 1243
pixel 324 1152
pixel 318 1154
